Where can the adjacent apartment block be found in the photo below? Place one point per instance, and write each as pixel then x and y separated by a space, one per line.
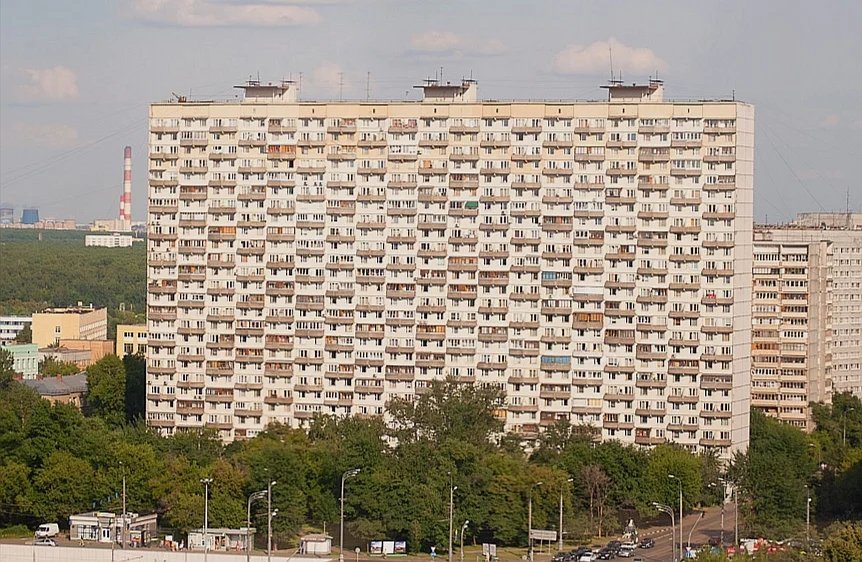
pixel 846 291
pixel 74 323
pixel 791 327
pixel 592 259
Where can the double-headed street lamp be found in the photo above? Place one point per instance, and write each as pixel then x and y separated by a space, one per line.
pixel 463 530
pixel 562 488
pixel 348 474
pixel 678 481
pixel 251 498
pixel 666 509
pixel 206 482
pixel 530 521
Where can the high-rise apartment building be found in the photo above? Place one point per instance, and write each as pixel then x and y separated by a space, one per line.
pixel 846 293
pixel 791 327
pixel 593 259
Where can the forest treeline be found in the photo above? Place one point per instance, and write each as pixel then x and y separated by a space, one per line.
pixel 57 460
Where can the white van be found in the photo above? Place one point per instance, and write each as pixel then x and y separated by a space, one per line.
pixel 47 530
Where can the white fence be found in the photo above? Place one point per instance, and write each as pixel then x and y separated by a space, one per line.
pixel 28 553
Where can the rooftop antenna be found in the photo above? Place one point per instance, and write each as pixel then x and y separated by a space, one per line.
pixel 368 86
pixel 848 208
pixel 441 75
pixel 611 58
pixel 299 85
pixel 340 86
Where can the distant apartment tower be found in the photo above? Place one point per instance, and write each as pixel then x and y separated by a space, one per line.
pixel 846 294
pixel 791 327
pixel 591 259
pixel 73 323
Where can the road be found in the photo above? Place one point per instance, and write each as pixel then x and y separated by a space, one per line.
pixel 708 526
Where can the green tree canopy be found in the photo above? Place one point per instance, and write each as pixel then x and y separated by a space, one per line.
pixel 106 390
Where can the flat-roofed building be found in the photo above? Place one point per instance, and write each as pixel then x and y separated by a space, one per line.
pixel 846 290
pixel 592 259
pixel 11 325
pixel 791 328
pixel 74 322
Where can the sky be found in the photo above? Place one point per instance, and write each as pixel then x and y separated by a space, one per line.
pixel 76 76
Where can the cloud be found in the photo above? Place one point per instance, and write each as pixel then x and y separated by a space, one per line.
pixel 326 80
pixel 49 84
pixel 435 42
pixel 213 13
pixel 447 43
pixel 492 47
pixel 595 59
pixel 41 135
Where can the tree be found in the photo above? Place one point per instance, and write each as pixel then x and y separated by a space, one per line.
pixel 845 544
pixel 25 335
pixel 772 477
pixel 596 482
pixel 7 371
pixel 51 367
pixel 449 410
pixel 106 390
pixel 136 386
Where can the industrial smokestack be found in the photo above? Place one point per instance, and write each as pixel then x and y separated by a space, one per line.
pixel 126 199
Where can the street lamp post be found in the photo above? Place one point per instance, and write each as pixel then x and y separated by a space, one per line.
pixel 251 498
pixel 124 504
pixel 568 481
pixel 808 519
pixel 451 512
pixel 463 530
pixel 206 482
pixel 844 420
pixel 530 521
pixel 666 509
pixel 349 474
pixel 678 481
pixel 269 515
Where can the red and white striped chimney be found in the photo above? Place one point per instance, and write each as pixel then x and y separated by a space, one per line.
pixel 126 199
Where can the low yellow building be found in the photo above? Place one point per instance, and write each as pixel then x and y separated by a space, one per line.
pixel 131 339
pixel 69 323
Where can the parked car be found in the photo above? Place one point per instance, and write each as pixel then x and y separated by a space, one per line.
pixel 606 554
pixel 587 557
pixel 626 551
pixel 647 543
pixel 614 545
pixel 47 530
pixel 45 542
